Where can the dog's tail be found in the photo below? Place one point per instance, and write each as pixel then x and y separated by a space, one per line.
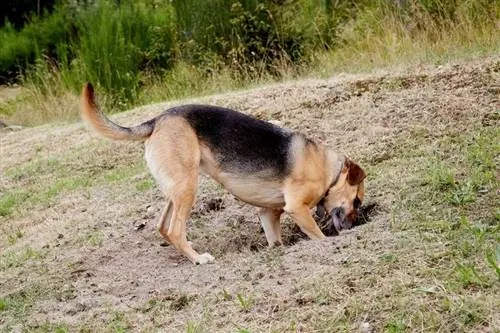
pixel 102 125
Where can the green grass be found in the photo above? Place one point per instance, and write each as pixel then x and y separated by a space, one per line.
pixel 193 327
pixel 245 302
pixel 18 304
pixel 145 185
pixel 13 237
pixel 44 179
pixel 10 199
pixel 452 205
pixel 95 238
pixel 447 249
pixel 9 259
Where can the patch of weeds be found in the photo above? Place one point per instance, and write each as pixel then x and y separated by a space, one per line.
pixel 462 312
pixel 3 304
pixel 394 83
pixel 120 173
pixel 155 306
pixel 243 330
pixel 64 185
pixel 440 177
pixel 145 185
pixel 468 276
pixel 462 194
pixel 33 170
pixel 11 199
pixel 245 302
pixel 170 302
pixel 335 321
pixel 95 238
pixel 49 327
pixel 493 260
pixel 18 259
pixel 395 325
pixel 12 238
pixel 38 148
pixel 226 295
pixel 65 293
pixel 118 323
pixel 42 180
pixel 17 305
pixel 180 302
pixel 192 327
pixel 39 193
pixel 388 257
pixel 469 314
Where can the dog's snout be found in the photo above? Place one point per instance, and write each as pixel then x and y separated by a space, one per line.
pixel 337 212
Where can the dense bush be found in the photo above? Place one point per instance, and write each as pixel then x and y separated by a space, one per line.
pixel 39 38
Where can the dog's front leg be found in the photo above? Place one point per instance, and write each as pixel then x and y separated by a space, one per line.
pixel 270 220
pixel 301 215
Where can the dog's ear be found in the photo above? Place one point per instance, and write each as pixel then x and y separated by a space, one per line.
pixel 355 174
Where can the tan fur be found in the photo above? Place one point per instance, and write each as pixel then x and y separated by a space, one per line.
pixel 346 189
pixel 175 156
pixel 99 122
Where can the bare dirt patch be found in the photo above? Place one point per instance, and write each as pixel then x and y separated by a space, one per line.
pixel 80 251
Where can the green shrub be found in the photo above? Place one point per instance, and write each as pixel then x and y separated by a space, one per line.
pixel 38 38
pixel 116 42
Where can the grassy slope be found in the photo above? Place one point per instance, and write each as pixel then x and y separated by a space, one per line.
pixel 71 258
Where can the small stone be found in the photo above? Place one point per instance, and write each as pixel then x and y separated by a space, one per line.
pixel 482 190
pixel 140 226
pixel 365 327
pixel 60 236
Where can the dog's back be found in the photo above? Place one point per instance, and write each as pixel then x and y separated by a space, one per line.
pixel 239 143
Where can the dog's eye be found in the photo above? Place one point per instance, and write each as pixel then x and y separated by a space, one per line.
pixel 356 203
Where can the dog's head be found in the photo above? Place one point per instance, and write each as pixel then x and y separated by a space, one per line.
pixel 342 201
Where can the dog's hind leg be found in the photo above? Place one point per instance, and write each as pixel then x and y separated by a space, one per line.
pixel 164 220
pixel 270 220
pixel 173 156
pixel 174 229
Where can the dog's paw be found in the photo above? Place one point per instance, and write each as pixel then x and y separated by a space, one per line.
pixel 204 258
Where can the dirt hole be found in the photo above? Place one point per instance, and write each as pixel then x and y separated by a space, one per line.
pixel 244 233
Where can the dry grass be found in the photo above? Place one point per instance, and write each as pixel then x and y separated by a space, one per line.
pixel 80 252
pixel 381 38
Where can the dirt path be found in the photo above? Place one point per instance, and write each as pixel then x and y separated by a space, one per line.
pixel 80 251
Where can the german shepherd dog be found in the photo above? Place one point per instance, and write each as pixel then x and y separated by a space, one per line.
pixel 258 162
